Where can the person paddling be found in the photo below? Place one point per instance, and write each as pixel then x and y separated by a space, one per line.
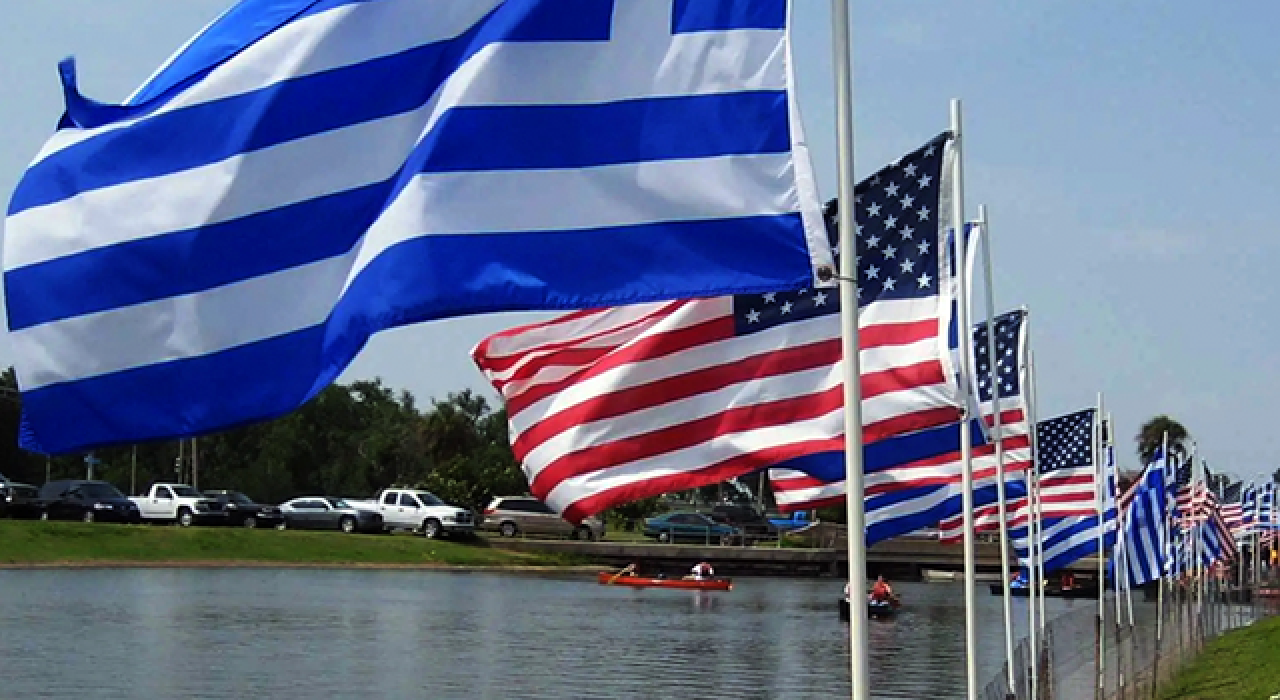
pixel 701 571
pixel 881 592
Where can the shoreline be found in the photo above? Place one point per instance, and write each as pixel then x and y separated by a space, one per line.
pixel 337 566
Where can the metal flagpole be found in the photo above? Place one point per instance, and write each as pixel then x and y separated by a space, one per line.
pixel 983 236
pixel 1033 491
pixel 856 538
pixel 1038 514
pixel 966 449
pixel 1164 570
pixel 1100 648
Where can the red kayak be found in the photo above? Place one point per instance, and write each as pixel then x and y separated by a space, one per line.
pixel 716 584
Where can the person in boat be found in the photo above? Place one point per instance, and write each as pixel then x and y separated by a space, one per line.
pixel 701 571
pixel 881 591
pixel 632 569
pixel 1017 580
pixel 1068 581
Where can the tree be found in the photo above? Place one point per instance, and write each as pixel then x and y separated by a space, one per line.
pixel 1152 436
pixel 1276 476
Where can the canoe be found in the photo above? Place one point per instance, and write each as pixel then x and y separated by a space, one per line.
pixel 874 609
pixel 715 584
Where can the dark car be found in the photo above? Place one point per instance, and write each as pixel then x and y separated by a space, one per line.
pixel 752 522
pixel 325 513
pixel 242 511
pixel 72 499
pixel 19 500
pixel 690 527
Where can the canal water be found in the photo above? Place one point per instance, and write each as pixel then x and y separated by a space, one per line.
pixel 241 633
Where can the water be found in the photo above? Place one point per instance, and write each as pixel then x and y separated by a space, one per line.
pixel 232 633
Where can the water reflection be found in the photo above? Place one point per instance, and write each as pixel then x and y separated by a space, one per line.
pixel 360 634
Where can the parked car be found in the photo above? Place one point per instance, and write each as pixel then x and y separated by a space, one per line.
pixel 325 513
pixel 89 501
pixel 746 518
pixel 178 503
pixel 690 527
pixel 792 521
pixel 515 515
pixel 420 511
pixel 18 500
pixel 240 510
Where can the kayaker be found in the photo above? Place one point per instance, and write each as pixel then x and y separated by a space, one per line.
pixel 630 570
pixel 1017 580
pixel 880 590
pixel 702 571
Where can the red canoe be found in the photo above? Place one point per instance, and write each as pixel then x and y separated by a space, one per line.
pixel 718 584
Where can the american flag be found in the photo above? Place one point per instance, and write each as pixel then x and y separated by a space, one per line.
pixel 614 405
pixel 1232 509
pixel 911 475
pixel 1067 475
pixel 1067 471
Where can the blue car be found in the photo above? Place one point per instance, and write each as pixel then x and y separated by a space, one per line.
pixel 690 527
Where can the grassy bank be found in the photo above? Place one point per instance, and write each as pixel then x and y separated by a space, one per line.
pixel 1240 665
pixel 27 543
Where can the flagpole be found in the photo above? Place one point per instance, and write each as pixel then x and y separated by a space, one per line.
pixel 966 436
pixel 996 430
pixel 1164 566
pixel 1033 494
pixel 1039 506
pixel 1100 648
pixel 856 539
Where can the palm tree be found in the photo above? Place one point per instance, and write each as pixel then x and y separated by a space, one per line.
pixel 1152 436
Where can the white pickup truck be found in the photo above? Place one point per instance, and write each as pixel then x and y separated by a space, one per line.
pixel 178 503
pixel 420 511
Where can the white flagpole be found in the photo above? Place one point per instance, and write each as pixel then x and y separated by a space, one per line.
pixel 1038 514
pixel 994 378
pixel 966 449
pixel 856 540
pixel 1033 489
pixel 1099 476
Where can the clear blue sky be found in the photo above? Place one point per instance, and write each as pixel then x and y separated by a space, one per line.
pixel 1126 152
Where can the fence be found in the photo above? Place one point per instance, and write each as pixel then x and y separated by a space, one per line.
pixel 1136 658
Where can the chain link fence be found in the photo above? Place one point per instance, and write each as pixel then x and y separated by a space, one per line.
pixel 1138 653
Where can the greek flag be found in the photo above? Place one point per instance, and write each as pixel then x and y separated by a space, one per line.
pixel 1145 534
pixel 306 173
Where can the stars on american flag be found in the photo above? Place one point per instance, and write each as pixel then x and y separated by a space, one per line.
pixel 1066 442
pixel 896 240
pixel 1008 330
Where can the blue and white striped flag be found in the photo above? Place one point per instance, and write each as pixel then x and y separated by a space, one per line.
pixel 1146 541
pixel 305 173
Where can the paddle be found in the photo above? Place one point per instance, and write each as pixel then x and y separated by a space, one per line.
pixel 628 569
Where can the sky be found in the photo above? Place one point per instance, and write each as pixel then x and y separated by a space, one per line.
pixel 1125 153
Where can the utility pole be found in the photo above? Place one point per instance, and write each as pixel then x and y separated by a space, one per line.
pixel 195 465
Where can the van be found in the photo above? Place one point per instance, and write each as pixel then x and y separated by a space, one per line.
pixel 511 516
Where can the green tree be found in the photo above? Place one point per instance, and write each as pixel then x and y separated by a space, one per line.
pixel 1152 436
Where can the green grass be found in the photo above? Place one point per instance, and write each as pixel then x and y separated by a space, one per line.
pixel 48 543
pixel 1241 665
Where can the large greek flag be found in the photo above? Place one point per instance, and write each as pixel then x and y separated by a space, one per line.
pixel 305 173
